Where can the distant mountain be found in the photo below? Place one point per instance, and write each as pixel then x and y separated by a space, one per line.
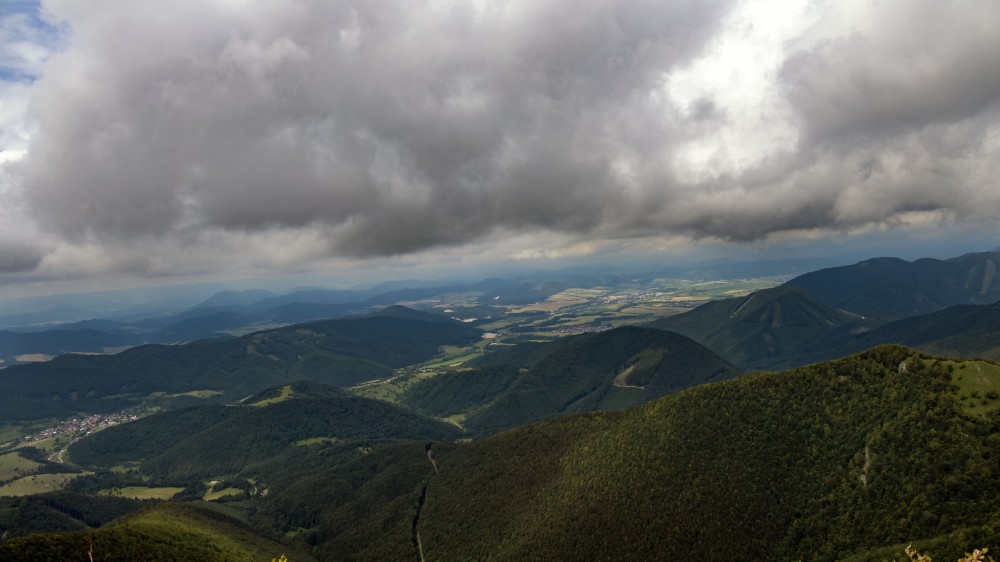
pixel 310 296
pixel 201 327
pixel 299 312
pixel 609 370
pixel 218 440
pixel 886 289
pixel 234 298
pixel 339 352
pixel 57 342
pixel 763 330
pixel 747 269
pixel 231 310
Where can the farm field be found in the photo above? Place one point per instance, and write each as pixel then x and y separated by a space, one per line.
pixel 13 465
pixel 37 484
pixel 142 492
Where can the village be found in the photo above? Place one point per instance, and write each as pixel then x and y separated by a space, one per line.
pixel 79 427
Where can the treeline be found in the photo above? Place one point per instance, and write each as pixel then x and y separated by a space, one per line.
pixel 59 511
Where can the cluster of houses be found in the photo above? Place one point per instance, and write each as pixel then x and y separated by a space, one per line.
pixel 83 426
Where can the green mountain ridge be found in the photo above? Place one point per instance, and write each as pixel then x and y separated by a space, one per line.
pixel 765 329
pixel 614 369
pixel 636 443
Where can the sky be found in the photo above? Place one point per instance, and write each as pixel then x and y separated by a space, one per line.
pixel 146 142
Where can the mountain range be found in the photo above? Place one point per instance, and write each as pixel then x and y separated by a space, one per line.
pixel 633 443
pixel 340 352
pixel 848 459
pixel 886 289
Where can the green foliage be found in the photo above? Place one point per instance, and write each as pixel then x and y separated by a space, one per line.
pixel 824 462
pixel 844 460
pixel 359 510
pixel 459 391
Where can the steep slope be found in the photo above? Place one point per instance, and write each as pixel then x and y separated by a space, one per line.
pixel 820 463
pixel 609 370
pixel 337 352
pixel 959 331
pixel 887 289
pixel 763 330
pixel 221 440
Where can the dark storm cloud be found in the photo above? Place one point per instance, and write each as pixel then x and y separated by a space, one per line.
pixel 17 258
pixel 383 127
pixel 394 125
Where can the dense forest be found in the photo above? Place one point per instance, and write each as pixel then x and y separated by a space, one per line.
pixel 852 458
pixel 822 462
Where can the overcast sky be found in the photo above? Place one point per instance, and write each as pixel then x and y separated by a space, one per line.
pixel 145 140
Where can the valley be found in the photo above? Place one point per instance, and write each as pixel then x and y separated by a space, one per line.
pixel 534 419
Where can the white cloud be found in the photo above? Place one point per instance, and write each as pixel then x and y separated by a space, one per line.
pixel 179 137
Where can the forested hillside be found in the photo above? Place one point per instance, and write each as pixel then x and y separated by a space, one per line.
pixel 819 463
pixel 610 370
pixel 852 458
pixel 767 329
pixel 183 446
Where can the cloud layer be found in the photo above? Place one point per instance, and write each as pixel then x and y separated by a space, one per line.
pixel 290 131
